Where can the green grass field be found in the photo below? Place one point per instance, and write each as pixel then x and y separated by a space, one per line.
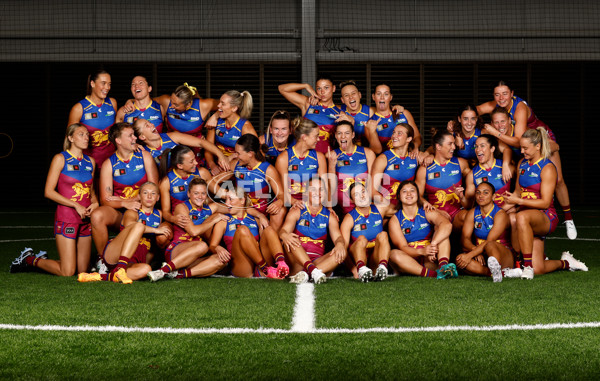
pixel 56 328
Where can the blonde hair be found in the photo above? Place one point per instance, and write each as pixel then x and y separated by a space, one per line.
pixel 302 126
pixel 243 101
pixel 539 136
pixel 70 131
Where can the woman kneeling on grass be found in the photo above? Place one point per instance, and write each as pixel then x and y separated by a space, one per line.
pixel 126 256
pixel 489 223
pixel 423 237
pixel 304 234
pixel 252 249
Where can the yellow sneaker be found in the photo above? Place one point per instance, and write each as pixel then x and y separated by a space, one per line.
pixel 121 276
pixel 89 277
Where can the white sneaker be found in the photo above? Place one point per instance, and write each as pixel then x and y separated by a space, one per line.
pixel 365 274
pixel 102 268
pixel 512 273
pixel 171 275
pixel 381 273
pixel 318 277
pixel 299 278
pixel 156 275
pixel 495 269
pixel 574 264
pixel 571 229
pixel 527 272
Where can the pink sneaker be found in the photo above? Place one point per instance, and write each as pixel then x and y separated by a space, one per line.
pixel 283 269
pixel 272 273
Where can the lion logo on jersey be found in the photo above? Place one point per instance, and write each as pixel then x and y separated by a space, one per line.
pixel 99 138
pixel 393 190
pixel 129 192
pixel 443 198
pixel 528 195
pixel 323 135
pixel 81 191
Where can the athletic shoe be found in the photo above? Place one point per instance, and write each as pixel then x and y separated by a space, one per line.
pixel 89 277
pixel 381 273
pixel 527 272
pixel 42 255
pixel 155 275
pixel 365 274
pixel 102 268
pixel 448 271
pixel 512 273
pixel 318 277
pixel 121 276
pixel 299 278
pixel 272 273
pixel 571 229
pixel 283 269
pixel 495 269
pixel 574 264
pixel 19 265
pixel 172 274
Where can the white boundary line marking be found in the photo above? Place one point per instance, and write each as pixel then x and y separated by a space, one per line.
pixel 27 240
pixel 304 309
pixel 26 227
pixel 200 331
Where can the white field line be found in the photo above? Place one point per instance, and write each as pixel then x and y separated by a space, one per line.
pixel 200 331
pixel 304 309
pixel 26 240
pixel 26 227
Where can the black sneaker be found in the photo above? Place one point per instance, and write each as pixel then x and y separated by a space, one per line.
pixel 19 265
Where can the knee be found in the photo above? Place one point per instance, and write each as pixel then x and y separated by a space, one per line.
pixel 522 220
pixel 382 237
pixel 361 241
pixel 242 231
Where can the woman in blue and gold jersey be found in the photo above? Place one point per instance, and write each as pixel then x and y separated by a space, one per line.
pixel 420 236
pixel 143 107
pixel 279 136
pixel 319 107
pixel 97 113
pixel 485 238
pixel 442 181
pixel 534 194
pixel 305 233
pixel 348 163
pixel 255 250
pixel 120 179
pixel 229 123
pixel 395 165
pixel 385 119
pixel 69 184
pixel 300 162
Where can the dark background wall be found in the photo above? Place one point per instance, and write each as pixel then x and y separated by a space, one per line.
pixel 436 56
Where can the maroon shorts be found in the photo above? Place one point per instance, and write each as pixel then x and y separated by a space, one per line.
pixel 72 230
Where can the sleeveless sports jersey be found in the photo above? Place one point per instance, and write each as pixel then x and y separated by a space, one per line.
pixel 272 151
pixel 128 175
pixel 226 137
pixel 151 219
pixel 189 121
pixel 324 117
pixel 98 119
pixel 312 230
pixel 468 152
pixel 385 128
pixel 300 170
pixel 349 168
pixel 360 120
pixel 151 113
pixel 416 230
pixel 368 225
pixel 165 143
pixel 232 225
pixel 484 223
pixel 440 182
pixel 530 180
pixel 397 169
pixel 198 216
pixel 178 186
pixel 493 176
pixel 255 184
pixel 74 183
pixel 532 121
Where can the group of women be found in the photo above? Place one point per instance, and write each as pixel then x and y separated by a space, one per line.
pixel 338 187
